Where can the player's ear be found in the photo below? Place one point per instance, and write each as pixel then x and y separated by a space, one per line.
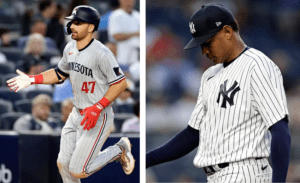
pixel 91 28
pixel 228 31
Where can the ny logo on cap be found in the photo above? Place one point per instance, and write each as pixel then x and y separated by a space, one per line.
pixel 218 23
pixel 192 27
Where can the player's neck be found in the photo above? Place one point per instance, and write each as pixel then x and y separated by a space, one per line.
pixel 237 50
pixel 80 44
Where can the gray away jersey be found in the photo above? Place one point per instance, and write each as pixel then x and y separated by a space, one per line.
pixel 236 106
pixel 92 70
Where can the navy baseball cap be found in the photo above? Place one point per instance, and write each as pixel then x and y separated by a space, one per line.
pixel 206 22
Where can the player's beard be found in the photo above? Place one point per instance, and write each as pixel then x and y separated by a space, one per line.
pixel 78 36
pixel 75 36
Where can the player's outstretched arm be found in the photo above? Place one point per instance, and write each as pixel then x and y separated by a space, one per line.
pixel 23 80
pixel 50 77
pixel 181 144
pixel 280 150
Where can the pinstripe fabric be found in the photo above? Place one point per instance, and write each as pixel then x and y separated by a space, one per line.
pixel 96 64
pixel 79 149
pixel 236 106
pixel 103 158
pixel 67 143
pixel 67 146
pixel 247 171
pixel 92 70
pixel 95 143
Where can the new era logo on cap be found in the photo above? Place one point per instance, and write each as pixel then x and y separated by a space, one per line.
pixel 192 27
pixel 218 23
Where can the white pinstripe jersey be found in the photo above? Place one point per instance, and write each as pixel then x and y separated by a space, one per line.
pixel 236 106
pixel 92 70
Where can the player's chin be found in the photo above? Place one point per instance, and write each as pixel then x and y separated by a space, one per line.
pixel 217 61
pixel 74 36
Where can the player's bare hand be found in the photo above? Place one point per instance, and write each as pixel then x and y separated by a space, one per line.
pixel 91 116
pixel 19 82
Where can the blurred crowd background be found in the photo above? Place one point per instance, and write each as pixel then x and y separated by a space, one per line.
pixel 32 39
pixel 173 75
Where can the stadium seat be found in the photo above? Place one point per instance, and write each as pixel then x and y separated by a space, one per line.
pixel 7 68
pixel 13 54
pixel 20 65
pixel 49 54
pixel 119 119
pixel 118 124
pixel 55 115
pixel 7 94
pixel 5 106
pixel 136 94
pixel 124 108
pixel 8 120
pixel 56 107
pixel 137 84
pixel 23 105
pixel 103 36
pixel 14 43
pixel 34 93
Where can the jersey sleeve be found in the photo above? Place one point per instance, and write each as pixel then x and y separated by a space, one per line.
pixel 63 64
pixel 198 112
pixel 111 69
pixel 267 92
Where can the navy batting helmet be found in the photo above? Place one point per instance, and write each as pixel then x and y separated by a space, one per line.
pixel 83 13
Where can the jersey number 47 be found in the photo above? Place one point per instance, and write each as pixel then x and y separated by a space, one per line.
pixel 85 86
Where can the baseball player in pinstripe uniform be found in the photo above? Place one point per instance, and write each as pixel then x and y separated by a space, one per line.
pixel 241 115
pixel 97 81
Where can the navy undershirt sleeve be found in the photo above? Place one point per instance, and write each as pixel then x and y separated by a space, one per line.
pixel 280 150
pixel 181 144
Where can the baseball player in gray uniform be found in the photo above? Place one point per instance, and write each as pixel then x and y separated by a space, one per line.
pixel 97 81
pixel 241 115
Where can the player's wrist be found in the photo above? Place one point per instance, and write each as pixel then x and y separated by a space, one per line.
pixel 36 79
pixel 104 102
pixel 99 106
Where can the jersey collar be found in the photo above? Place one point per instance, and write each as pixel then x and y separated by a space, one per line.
pixel 87 45
pixel 228 63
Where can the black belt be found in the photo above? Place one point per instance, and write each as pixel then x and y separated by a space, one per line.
pixel 209 170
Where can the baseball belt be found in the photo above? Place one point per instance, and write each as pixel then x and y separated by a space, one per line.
pixel 210 170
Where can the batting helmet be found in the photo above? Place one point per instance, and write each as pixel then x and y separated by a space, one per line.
pixel 83 13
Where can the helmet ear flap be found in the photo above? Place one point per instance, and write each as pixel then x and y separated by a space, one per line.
pixel 68 28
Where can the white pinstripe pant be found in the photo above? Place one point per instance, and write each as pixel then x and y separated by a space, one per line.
pixel 246 171
pixel 80 149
